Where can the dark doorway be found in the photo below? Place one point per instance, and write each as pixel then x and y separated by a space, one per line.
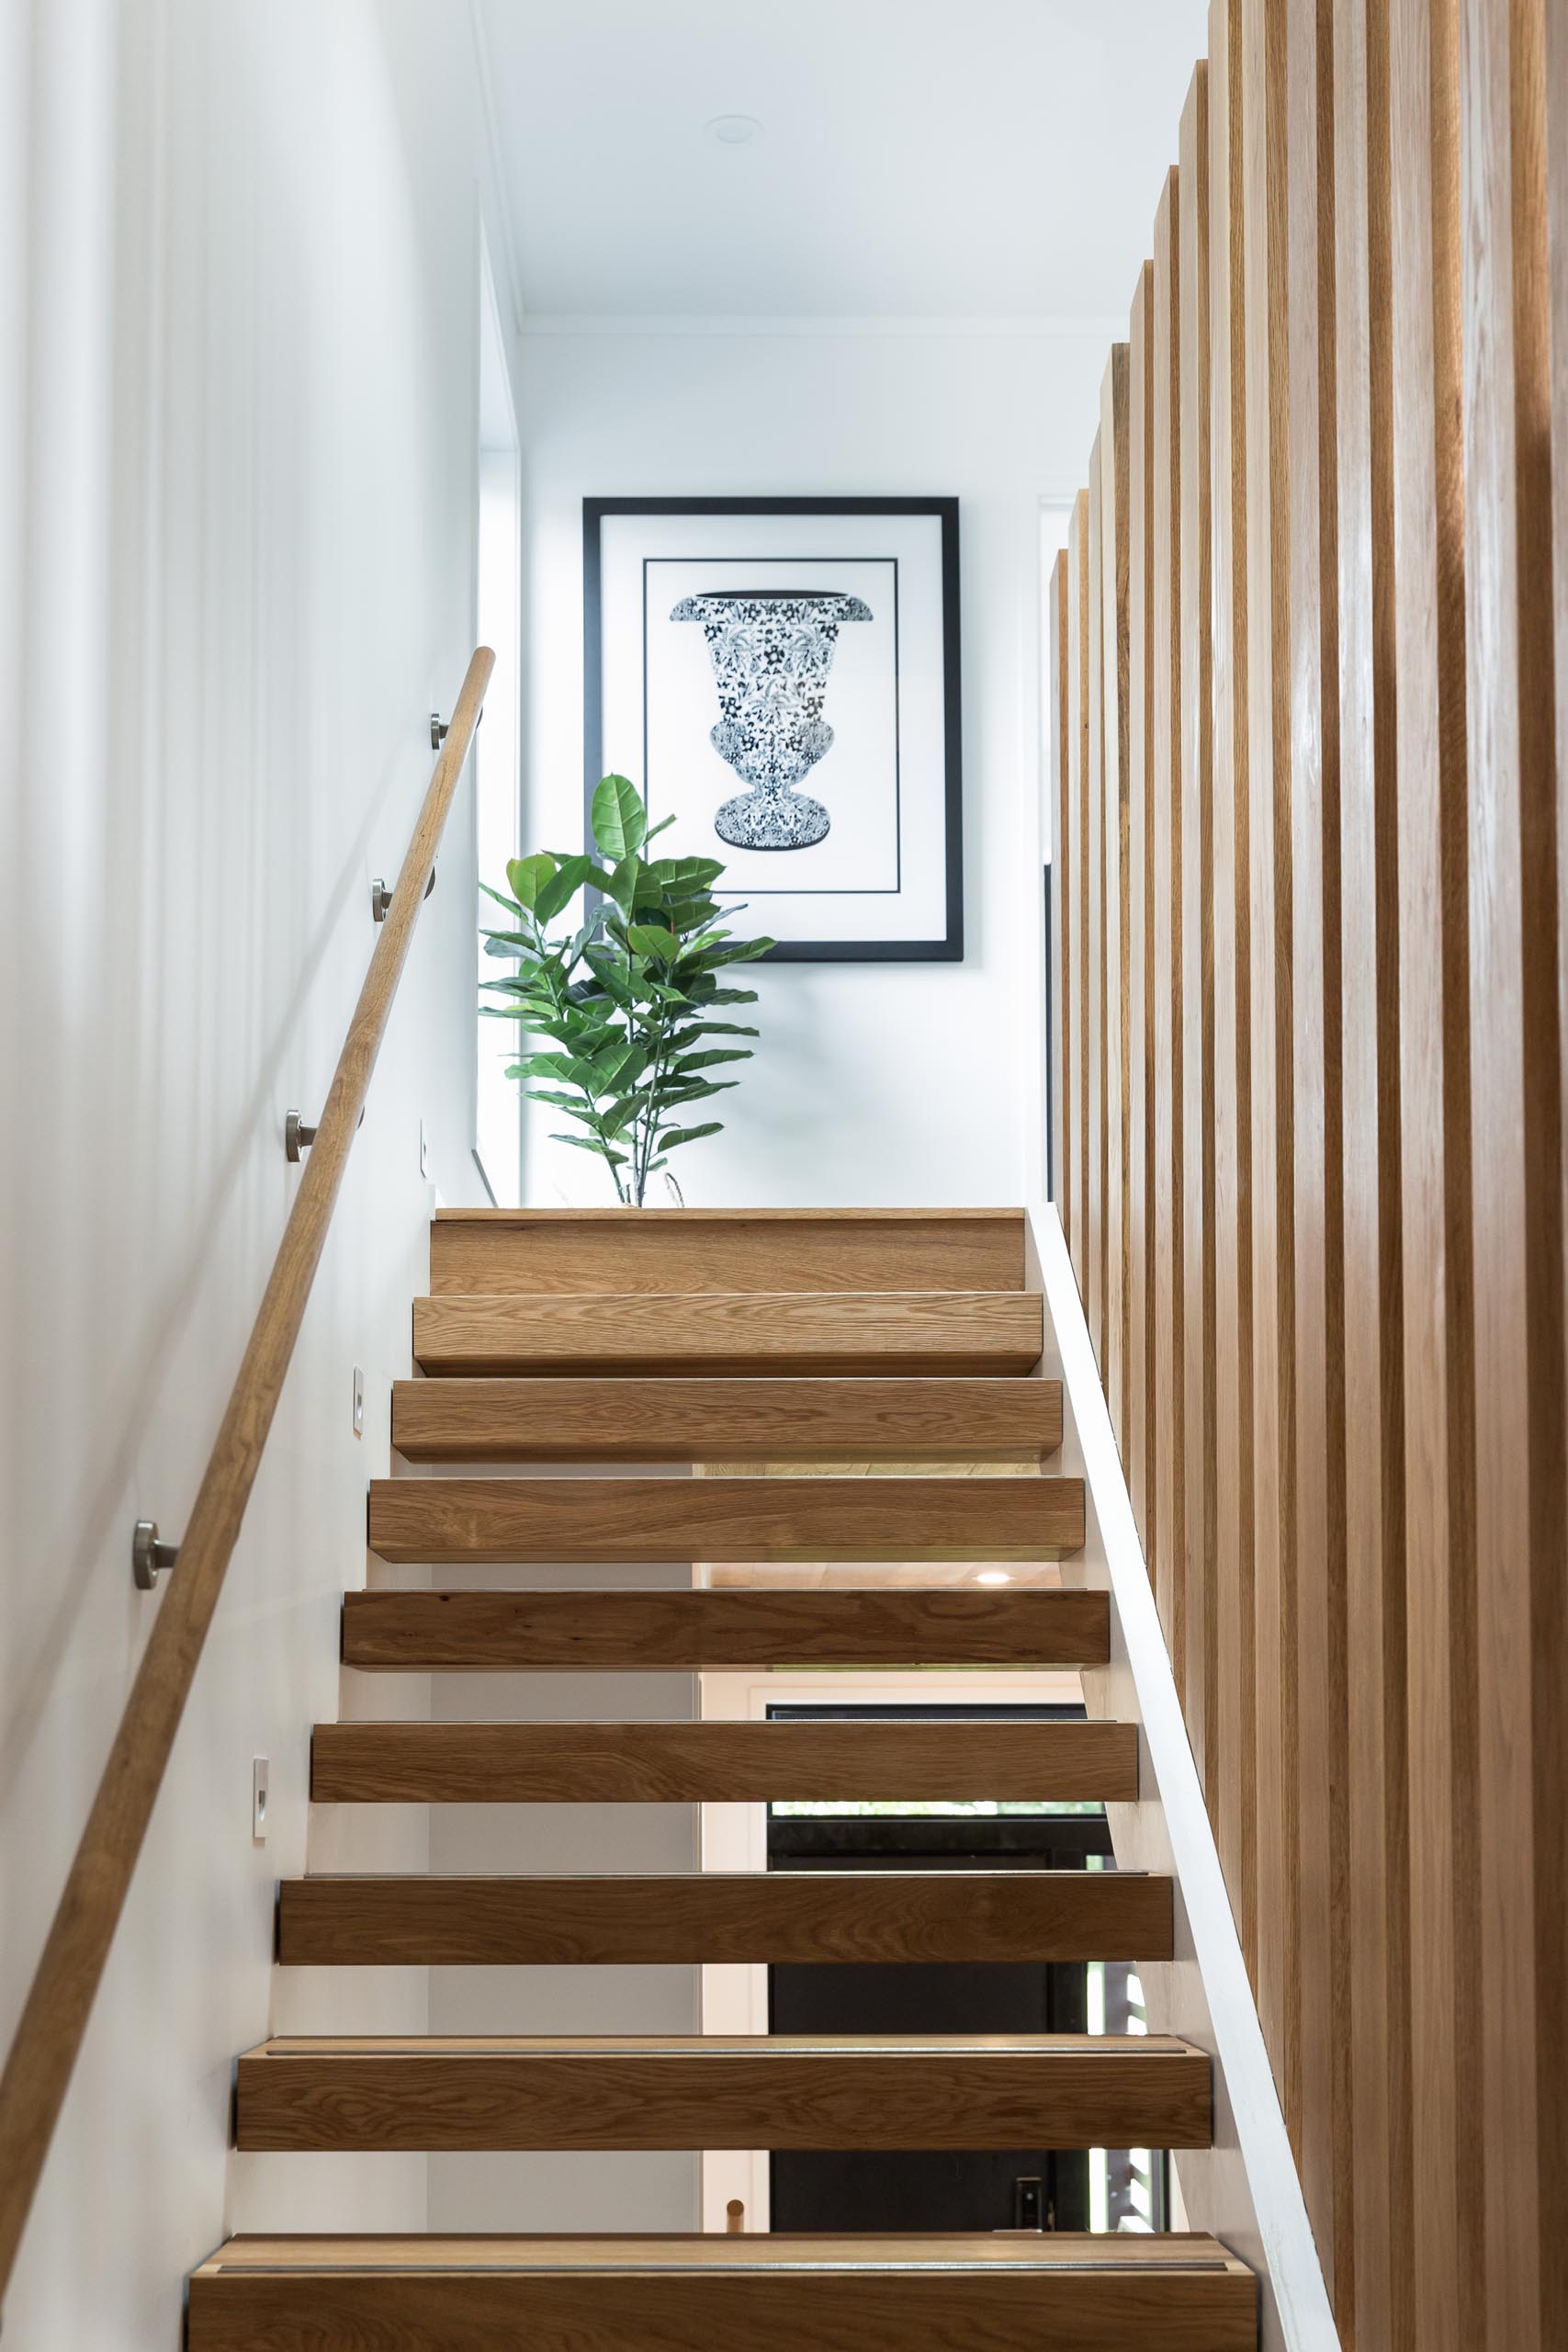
pixel 942 2190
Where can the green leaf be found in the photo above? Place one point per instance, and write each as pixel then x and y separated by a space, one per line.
pixel 617 817
pixel 509 904
pixel 688 914
pixel 667 1138
pixel 528 875
pixel 572 1104
pixel 679 873
pixel 567 1067
pixel 740 951
pixel 618 1067
pixel 623 884
pixel 612 977
pixel 697 1090
pixel 592 1143
pixel 561 887
pixel 717 1029
pixel 690 1062
pixel 653 939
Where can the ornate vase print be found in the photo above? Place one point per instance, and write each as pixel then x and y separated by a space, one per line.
pixel 772 651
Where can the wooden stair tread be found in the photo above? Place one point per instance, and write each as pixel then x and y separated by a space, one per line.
pixel 563 1251
pixel 1013 2292
pixel 652 2253
pixel 723 2091
pixel 767 2048
pixel 642 1632
pixel 758 1916
pixel 731 1331
pixel 621 1520
pixel 673 1420
pixel 691 1763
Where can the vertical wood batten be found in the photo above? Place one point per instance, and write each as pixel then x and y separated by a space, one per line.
pixel 1138 932
pixel 1234 1587
pixel 1060 889
pixel 1429 526
pixel 1197 1203
pixel 1114 708
pixel 1267 390
pixel 1373 1362
pixel 1166 1084
pixel 1095 1111
pixel 1323 2127
pixel 1517 1164
pixel 1077 1143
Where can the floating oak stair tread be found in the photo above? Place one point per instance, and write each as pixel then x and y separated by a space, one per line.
pixel 716 1762
pixel 985 1332
pixel 648 1632
pixel 566 1250
pixel 755 1520
pixel 754 1916
pixel 1054 2292
pixel 723 2091
pixel 671 1419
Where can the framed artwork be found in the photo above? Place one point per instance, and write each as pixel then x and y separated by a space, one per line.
pixel 781 675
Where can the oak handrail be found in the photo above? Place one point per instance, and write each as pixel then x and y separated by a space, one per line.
pixel 55 2018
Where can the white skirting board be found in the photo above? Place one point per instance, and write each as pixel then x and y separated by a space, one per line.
pixel 1245 2190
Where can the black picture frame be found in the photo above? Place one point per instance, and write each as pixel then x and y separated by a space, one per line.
pixel 949 948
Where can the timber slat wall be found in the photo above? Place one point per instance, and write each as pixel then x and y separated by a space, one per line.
pixel 1310 650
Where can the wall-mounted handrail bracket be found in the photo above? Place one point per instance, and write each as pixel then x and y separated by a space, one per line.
pixel 438 729
pixel 381 897
pixel 298 1138
pixel 148 1555
pixel 54 2015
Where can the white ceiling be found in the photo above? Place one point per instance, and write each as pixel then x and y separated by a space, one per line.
pixel 981 158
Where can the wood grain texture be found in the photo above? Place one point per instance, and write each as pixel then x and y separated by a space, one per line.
pixel 771 2293
pixel 1197 753
pixel 671 1419
pixel 726 1519
pixel 642 1633
pixel 1368 422
pixel 1512 127
pixel 1076 1045
pixel 1115 430
pixel 1165 1079
pixel 54 2017
pixel 1061 976
pixel 762 1917
pixel 511 1763
pixel 553 1252
pixel 1265 205
pixel 1323 2127
pixel 951 1332
pixel 1095 971
pixel 1234 1599
pixel 1380 2055
pixel 1435 1159
pixel 1138 929
pixel 984 2091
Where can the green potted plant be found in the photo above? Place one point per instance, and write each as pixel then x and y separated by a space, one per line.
pixel 628 998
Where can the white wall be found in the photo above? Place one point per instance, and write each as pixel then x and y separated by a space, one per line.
pixel 238 270
pixel 872 1084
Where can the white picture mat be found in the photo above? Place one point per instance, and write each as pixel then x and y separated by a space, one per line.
pixel 880 873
